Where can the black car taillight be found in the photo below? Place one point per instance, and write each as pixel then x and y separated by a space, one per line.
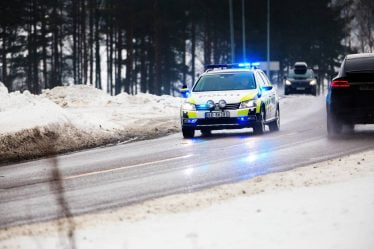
pixel 340 84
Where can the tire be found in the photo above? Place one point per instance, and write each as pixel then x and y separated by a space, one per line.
pixel 286 92
pixel 206 132
pixel 314 92
pixel 188 133
pixel 275 125
pixel 259 127
pixel 349 128
pixel 334 126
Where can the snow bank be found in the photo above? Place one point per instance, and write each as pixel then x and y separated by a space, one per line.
pixel 3 90
pixel 76 117
pixel 324 205
pixel 77 96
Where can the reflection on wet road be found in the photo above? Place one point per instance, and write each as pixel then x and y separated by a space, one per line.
pixel 115 176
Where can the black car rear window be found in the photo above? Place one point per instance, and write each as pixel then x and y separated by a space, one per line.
pixel 359 64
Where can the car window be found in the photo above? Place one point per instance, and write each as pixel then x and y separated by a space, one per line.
pixel 265 79
pixel 260 81
pixel 225 82
pixel 359 64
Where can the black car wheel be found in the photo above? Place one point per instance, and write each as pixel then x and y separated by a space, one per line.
pixel 314 91
pixel 275 125
pixel 188 133
pixel 334 126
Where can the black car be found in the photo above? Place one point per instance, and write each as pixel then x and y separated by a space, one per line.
pixel 301 79
pixel 350 98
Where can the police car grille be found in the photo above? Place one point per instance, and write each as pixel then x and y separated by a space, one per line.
pixel 228 107
pixel 232 106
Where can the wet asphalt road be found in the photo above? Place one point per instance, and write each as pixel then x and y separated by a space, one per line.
pixel 112 177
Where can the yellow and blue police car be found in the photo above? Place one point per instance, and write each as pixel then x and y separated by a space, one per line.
pixel 230 96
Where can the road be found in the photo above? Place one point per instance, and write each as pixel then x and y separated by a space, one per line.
pixel 111 177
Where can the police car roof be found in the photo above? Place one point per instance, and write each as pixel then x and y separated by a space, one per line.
pixel 231 70
pixel 357 56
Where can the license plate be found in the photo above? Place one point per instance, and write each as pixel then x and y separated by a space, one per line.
pixel 217 114
pixel 300 88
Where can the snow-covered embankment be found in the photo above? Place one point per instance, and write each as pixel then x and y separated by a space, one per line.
pixel 76 117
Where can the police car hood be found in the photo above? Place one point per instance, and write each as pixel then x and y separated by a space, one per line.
pixel 230 97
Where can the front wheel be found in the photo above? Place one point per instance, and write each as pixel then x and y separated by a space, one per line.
pixel 275 125
pixel 259 127
pixel 188 133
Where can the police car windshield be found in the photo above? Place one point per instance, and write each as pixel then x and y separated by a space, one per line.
pixel 225 82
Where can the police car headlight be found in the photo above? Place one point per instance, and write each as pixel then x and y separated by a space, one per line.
pixel 188 107
pixel 247 104
pixel 288 83
pixel 313 82
pixel 210 104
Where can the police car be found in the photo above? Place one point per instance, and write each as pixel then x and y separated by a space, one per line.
pixel 230 96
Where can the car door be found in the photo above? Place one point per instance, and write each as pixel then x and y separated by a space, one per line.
pixel 272 96
pixel 265 95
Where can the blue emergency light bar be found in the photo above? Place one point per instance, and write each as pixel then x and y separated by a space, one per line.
pixel 251 65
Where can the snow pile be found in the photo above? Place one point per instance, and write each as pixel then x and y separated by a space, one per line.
pixel 75 117
pixel 26 111
pixel 77 96
pixel 3 90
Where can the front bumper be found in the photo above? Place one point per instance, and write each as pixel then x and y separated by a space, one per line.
pixel 241 118
pixel 354 115
pixel 304 88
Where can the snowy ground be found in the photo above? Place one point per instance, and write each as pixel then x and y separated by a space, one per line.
pixel 325 205
pixel 76 117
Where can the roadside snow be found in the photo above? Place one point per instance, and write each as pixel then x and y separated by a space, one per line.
pixel 325 205
pixel 76 117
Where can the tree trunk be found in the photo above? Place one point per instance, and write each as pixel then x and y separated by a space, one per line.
pixel 91 39
pixel 97 52
pixel 4 59
pixel 129 57
pixel 84 41
pixel 44 49
pixel 35 60
pixel 193 51
pixel 157 40
pixel 119 62
pixel 143 67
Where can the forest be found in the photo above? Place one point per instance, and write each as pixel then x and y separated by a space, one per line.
pixel 153 46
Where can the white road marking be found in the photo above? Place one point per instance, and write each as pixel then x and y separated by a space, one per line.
pixel 126 167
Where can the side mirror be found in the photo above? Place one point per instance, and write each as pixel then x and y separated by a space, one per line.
pixel 267 88
pixel 185 92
